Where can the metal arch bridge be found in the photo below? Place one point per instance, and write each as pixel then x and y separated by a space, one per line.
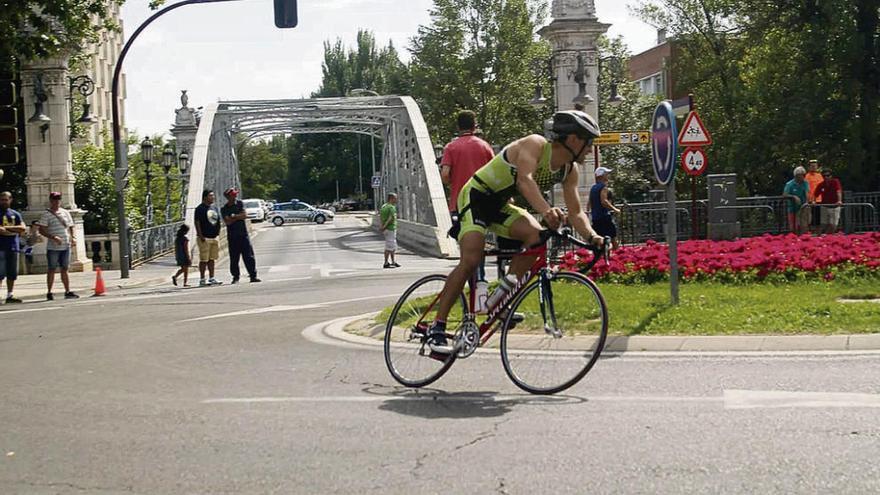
pixel 407 166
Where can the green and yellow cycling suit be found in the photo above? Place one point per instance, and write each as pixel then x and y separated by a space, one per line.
pixel 484 201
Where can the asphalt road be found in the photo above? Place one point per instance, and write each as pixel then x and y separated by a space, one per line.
pixel 216 390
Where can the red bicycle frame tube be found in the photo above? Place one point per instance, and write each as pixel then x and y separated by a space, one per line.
pixel 489 327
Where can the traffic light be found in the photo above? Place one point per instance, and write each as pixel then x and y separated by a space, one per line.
pixel 8 123
pixel 285 13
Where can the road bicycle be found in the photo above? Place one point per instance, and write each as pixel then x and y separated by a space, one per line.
pixel 553 322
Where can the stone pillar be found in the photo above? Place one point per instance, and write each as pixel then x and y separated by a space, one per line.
pixel 49 155
pixel 574 30
pixel 185 125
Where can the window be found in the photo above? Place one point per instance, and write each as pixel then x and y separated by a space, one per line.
pixel 651 85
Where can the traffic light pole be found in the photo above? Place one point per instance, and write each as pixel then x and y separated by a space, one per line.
pixel 120 148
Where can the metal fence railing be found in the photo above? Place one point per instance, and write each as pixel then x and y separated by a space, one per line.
pixel 147 244
pixel 757 215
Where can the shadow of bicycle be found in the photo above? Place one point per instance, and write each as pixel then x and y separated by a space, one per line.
pixel 432 403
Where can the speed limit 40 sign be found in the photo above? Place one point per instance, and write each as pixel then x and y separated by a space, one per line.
pixel 694 161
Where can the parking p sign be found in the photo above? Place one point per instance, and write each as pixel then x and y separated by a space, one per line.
pixel 664 143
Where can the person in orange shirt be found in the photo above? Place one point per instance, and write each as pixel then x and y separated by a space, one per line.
pixel 813 178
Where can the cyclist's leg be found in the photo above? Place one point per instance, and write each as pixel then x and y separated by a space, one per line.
pixel 471 244
pixel 524 228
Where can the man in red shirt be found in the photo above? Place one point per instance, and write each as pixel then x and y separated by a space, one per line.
pixel 463 156
pixel 830 198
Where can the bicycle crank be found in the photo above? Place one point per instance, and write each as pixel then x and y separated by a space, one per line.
pixel 467 339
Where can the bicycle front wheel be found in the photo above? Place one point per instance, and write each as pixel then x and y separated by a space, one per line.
pixel 407 355
pixel 565 323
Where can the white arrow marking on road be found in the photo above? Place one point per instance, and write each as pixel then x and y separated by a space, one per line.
pixel 764 399
pixel 270 309
pixel 275 309
pixel 28 310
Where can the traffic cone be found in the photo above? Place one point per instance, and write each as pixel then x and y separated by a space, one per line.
pixel 99 283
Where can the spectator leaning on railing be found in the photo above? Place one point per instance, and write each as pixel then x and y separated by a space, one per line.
pixel 829 194
pixel 795 192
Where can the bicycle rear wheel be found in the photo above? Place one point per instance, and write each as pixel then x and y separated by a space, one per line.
pixel 562 334
pixel 407 355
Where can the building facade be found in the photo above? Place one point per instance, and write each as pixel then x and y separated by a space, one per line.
pixel 100 69
pixel 654 69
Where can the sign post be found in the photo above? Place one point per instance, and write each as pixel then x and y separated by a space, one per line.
pixel 694 135
pixel 664 148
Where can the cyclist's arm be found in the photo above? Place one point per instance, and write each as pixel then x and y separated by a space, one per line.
pixel 576 216
pixel 525 154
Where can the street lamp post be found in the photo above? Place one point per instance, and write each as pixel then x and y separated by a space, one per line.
pixel 183 167
pixel 167 163
pixel 147 156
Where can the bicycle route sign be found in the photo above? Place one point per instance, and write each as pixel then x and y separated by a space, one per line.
pixel 663 143
pixel 694 161
pixel 693 132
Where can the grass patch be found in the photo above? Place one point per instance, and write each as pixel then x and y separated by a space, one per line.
pixel 761 308
pixel 712 308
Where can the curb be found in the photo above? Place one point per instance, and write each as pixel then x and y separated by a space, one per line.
pixel 333 330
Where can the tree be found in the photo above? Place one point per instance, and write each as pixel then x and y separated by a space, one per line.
pixel 365 67
pixel 35 29
pixel 263 166
pixel 95 188
pixel 779 82
pixel 477 54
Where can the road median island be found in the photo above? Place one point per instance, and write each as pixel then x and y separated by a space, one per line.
pixel 794 316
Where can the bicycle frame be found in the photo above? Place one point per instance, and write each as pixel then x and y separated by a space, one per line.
pixel 489 326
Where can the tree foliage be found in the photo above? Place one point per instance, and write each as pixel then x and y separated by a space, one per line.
pixel 34 29
pixel 95 190
pixel 364 67
pixel 263 166
pixel 779 82
pixel 478 55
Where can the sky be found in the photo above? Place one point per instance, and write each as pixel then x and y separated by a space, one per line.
pixel 232 51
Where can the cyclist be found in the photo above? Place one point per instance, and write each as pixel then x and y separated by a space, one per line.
pixel 529 165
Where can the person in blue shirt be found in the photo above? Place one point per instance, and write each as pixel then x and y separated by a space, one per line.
pixel 11 227
pixel 601 208
pixel 796 192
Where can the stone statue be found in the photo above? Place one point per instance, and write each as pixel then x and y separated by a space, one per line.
pixel 185 116
pixel 573 8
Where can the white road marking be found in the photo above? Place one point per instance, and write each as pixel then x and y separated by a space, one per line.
pixel 461 398
pixel 280 268
pixel 255 311
pixel 28 310
pixel 274 309
pixel 772 399
pixel 731 399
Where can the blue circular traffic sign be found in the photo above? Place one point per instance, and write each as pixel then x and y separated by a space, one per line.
pixel 664 143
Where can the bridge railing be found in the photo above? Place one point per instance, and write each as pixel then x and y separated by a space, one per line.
pixel 150 243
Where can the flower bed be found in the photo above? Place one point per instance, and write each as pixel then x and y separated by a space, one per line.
pixel 774 258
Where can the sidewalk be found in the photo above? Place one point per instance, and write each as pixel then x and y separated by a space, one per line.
pixel 33 287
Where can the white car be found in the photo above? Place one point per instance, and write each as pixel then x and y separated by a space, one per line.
pixel 254 210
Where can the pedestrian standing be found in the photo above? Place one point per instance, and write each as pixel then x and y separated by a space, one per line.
pixel 207 220
pixel 830 197
pixel 601 207
pixel 388 218
pixel 235 216
pixel 795 192
pixel 813 178
pixel 463 156
pixel 11 227
pixel 181 255
pixel 57 226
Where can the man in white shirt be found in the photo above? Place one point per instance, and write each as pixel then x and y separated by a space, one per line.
pixel 57 226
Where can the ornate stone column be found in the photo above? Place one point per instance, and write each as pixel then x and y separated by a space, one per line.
pixel 49 155
pixel 574 30
pixel 184 130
